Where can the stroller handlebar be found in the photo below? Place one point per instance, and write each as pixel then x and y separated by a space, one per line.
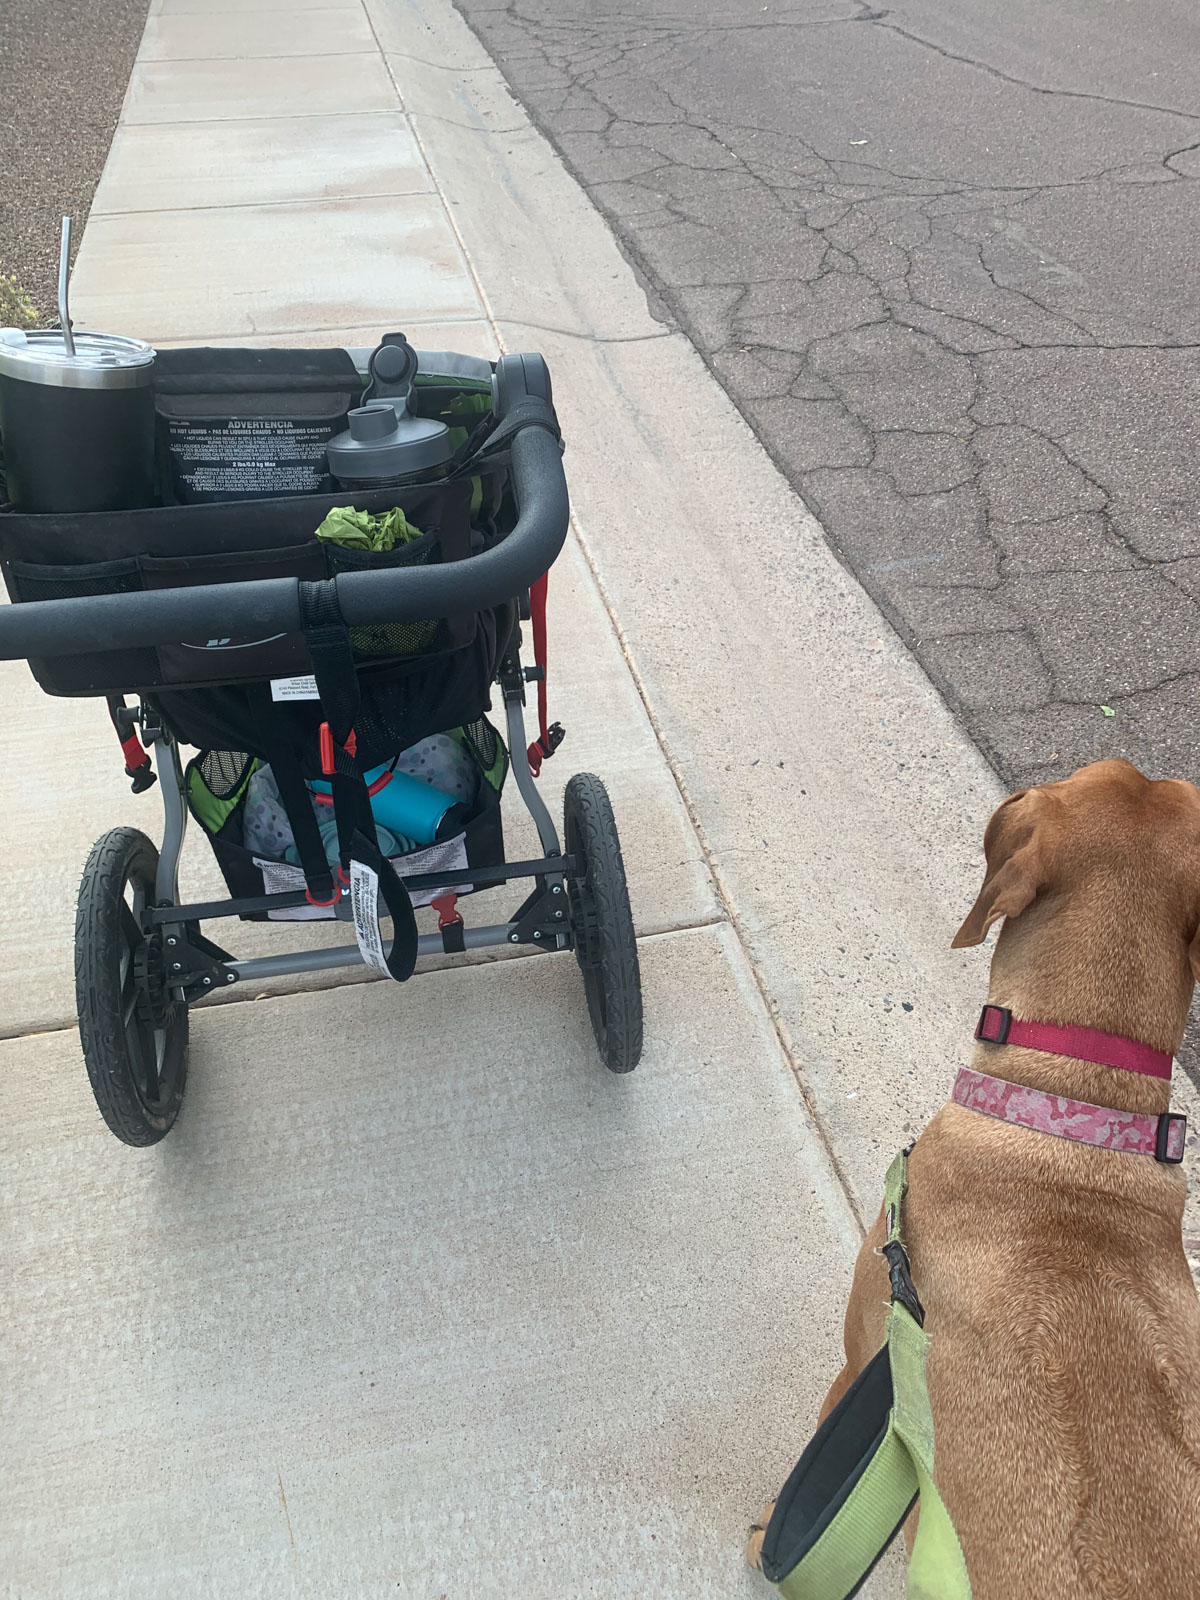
pixel 266 606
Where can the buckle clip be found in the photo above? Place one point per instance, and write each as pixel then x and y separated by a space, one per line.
pixel 1171 1138
pixel 904 1290
pixel 982 1031
pixel 328 763
pixel 444 905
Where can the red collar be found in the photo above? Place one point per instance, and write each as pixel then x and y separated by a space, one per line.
pixel 997 1025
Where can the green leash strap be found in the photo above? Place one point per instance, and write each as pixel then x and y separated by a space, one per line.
pixel 868 1463
pixel 937 1569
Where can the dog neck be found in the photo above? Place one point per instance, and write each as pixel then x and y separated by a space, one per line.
pixel 1094 962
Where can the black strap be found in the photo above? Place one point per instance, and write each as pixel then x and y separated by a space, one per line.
pixel 528 413
pixel 337 685
pixel 276 725
pixel 332 657
pixel 402 958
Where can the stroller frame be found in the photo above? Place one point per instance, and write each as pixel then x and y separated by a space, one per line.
pixel 141 959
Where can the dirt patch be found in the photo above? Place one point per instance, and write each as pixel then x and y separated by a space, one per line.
pixel 64 65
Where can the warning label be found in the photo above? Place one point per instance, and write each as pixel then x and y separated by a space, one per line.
pixel 364 899
pixel 238 458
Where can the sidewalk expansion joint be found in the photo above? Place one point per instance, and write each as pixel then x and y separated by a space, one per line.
pixel 474 127
pixel 256 116
pixel 369 328
pixel 36 1030
pixel 249 993
pixel 263 205
pixel 281 55
pixel 440 66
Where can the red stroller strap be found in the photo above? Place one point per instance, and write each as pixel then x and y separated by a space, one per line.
pixel 550 735
pixel 137 759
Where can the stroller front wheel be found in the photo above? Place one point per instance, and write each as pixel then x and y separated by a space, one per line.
pixel 134 1035
pixel 602 923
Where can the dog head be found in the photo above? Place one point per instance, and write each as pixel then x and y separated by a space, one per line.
pixel 1109 857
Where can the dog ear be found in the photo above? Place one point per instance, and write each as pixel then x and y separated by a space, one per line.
pixel 1015 848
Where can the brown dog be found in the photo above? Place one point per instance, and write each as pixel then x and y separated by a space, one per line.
pixel 1064 1361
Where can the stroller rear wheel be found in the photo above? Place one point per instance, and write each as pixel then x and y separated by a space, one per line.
pixel 134 1035
pixel 602 923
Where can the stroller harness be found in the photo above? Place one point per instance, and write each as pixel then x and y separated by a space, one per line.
pixel 868 1464
pixel 362 864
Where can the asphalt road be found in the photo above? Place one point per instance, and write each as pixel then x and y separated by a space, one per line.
pixel 64 65
pixel 943 255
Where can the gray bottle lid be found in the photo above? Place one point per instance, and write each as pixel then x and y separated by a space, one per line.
pixel 101 360
pixel 382 441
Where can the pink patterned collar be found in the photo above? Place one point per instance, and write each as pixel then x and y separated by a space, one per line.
pixel 1135 1132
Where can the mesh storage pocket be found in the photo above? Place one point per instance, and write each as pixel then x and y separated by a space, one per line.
pixel 223 776
pixel 37 581
pixel 401 705
pixel 400 639
pixel 488 748
pixel 216 783
pixel 465 407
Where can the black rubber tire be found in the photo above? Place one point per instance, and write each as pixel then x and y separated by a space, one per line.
pixel 137 1071
pixel 602 923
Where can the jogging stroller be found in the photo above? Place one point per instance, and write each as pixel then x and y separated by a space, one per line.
pixel 240 633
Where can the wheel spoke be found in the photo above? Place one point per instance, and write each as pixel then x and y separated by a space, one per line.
pixel 143 1072
pixel 146 1063
pixel 126 978
pixel 131 933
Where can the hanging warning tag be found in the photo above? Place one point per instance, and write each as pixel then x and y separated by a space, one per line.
pixel 364 901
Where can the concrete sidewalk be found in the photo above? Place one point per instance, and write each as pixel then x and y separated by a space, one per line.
pixel 416 1299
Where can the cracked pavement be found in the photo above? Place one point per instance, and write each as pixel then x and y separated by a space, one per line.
pixel 942 256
